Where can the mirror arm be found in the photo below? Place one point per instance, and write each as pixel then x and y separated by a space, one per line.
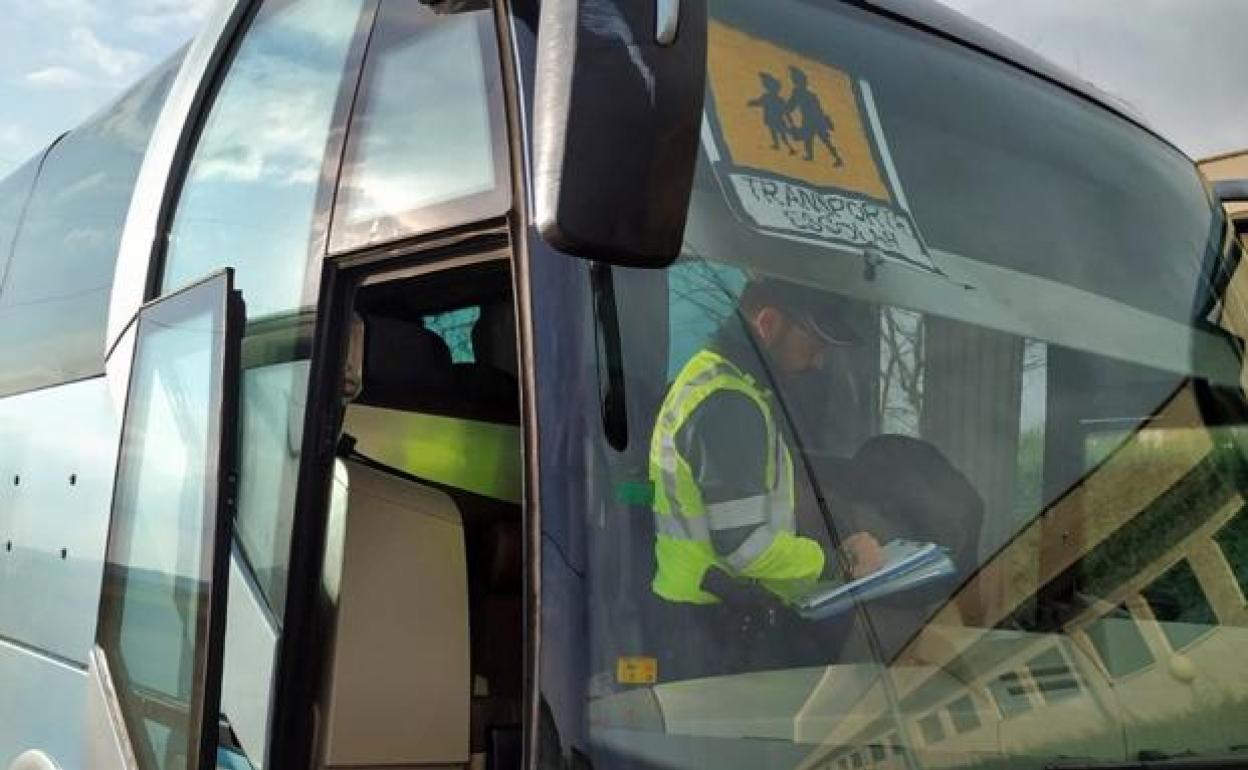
pixel 666 21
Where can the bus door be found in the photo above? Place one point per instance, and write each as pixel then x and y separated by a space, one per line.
pixel 154 672
pixel 422 573
pixel 331 134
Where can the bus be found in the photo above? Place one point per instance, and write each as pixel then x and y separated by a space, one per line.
pixel 333 351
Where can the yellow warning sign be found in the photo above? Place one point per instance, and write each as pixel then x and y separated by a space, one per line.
pixel 790 115
pixel 636 670
pixel 800 152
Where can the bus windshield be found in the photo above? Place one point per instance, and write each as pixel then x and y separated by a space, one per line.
pixel 927 304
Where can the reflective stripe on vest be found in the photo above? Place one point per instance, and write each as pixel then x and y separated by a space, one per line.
pixel 684 523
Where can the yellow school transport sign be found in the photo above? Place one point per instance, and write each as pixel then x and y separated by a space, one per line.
pixel 797 145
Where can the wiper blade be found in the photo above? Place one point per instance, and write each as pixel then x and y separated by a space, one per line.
pixel 1159 762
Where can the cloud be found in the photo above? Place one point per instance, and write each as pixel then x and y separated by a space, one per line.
pixel 85 185
pixel 155 24
pixel 71 11
pixel 10 135
pixel 276 132
pixel 61 60
pixel 56 77
pixel 115 62
pixel 193 8
pixel 163 17
pixel 87 61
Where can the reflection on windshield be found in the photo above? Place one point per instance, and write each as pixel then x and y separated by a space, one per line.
pixel 912 348
pixel 54 289
pixel 1094 516
pixel 251 189
pixel 423 149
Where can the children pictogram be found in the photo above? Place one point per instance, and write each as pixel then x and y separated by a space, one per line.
pixel 779 113
pixel 775 112
pixel 798 145
pixel 815 123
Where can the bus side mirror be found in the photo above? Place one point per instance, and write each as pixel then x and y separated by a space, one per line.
pixel 617 118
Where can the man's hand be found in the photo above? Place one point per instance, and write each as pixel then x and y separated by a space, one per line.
pixel 863 553
pixel 742 594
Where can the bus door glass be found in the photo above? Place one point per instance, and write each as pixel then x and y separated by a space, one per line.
pixel 161 627
pixel 427 146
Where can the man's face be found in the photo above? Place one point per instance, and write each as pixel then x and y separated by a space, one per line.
pixel 799 349
pixel 793 347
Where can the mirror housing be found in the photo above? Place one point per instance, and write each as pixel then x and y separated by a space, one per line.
pixel 616 124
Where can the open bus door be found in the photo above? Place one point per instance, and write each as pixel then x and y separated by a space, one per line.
pixel 154 672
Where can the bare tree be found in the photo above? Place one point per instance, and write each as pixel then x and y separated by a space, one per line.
pixel 901 370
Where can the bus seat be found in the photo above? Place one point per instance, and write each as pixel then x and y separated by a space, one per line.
pixel 913 491
pixel 400 681
pixel 480 458
pixel 494 337
pixel 498 647
pixel 489 386
pixel 409 367
pixel 406 366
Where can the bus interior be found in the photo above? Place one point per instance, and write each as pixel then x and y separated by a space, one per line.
pixel 424 544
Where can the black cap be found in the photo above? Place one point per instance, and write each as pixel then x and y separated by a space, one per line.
pixel 826 314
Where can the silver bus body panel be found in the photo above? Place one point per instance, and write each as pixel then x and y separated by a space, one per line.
pixel 138 240
pixel 105 747
pixel 34 760
pixel 44 699
pixel 58 451
pixel 249 664
pixel 117 375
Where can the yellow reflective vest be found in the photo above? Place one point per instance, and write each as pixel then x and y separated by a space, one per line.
pixel 773 554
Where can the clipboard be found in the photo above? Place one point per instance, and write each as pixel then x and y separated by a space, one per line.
pixel 907 565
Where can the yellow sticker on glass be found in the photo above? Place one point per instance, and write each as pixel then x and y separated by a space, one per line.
pixel 636 670
pixel 800 152
pixel 790 115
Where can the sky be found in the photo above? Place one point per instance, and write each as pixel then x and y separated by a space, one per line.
pixel 1179 63
pixel 61 60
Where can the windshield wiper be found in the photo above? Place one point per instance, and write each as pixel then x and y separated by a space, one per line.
pixel 1158 761
pixel 610 357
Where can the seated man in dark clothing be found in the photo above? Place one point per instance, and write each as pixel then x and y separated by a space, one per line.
pixel 723 471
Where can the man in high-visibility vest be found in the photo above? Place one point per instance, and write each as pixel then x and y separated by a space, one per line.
pixel 721 467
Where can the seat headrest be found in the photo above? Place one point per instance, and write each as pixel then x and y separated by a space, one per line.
pixel 914 485
pixel 403 359
pixel 494 337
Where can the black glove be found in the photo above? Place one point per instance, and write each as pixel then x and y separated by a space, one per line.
pixel 740 594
